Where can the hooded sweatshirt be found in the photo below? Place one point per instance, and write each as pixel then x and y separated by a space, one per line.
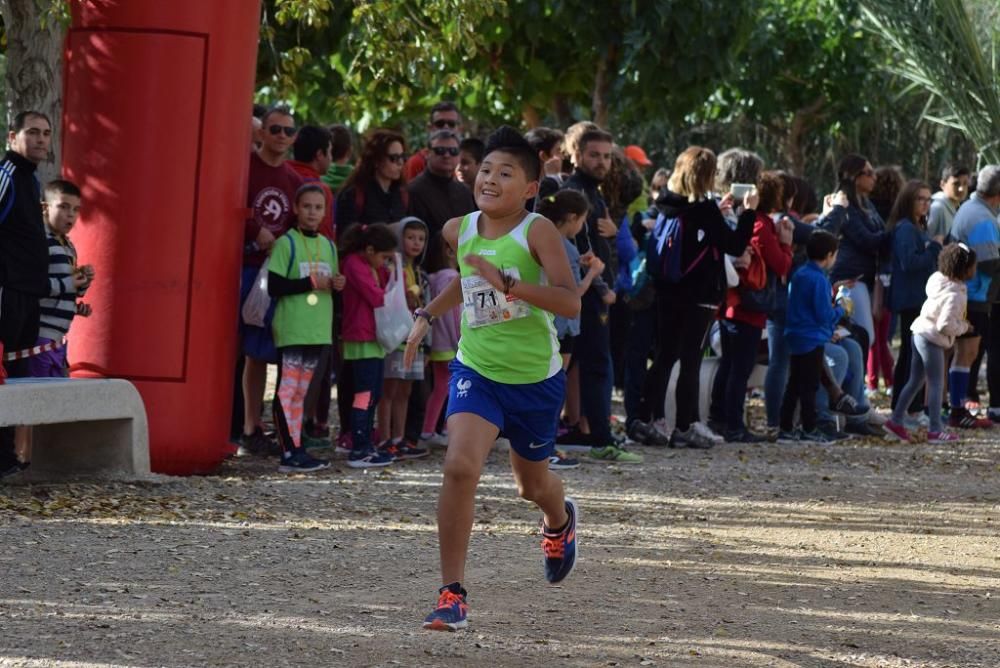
pixel 703 226
pixel 811 315
pixel 417 289
pixel 942 317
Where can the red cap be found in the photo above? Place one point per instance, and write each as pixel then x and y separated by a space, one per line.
pixel 637 155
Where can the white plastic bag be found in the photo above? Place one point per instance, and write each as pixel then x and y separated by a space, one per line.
pixel 732 278
pixel 393 320
pixel 258 301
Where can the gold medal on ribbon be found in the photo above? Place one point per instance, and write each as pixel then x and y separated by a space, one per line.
pixel 312 299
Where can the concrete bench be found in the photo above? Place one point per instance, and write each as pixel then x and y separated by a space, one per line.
pixel 80 427
pixel 709 367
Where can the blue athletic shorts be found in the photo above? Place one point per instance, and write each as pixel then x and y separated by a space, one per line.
pixel 525 414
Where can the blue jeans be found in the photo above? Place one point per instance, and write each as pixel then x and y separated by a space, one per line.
pixel 641 335
pixel 854 381
pixel 837 360
pixel 739 355
pixel 846 360
pixel 777 370
pixel 367 374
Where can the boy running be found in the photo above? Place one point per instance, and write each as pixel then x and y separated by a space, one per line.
pixel 507 377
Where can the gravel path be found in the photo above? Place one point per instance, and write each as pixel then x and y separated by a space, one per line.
pixel 865 554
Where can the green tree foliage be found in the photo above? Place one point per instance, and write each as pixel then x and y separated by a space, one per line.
pixel 812 85
pixel 370 61
pixel 529 59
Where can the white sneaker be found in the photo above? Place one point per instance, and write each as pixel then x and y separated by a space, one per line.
pixel 661 426
pixel 704 431
pixel 918 421
pixel 876 419
pixel 434 440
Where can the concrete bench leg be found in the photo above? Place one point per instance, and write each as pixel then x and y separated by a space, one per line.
pixel 96 448
pixel 709 365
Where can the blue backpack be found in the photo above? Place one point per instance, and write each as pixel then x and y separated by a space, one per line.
pixel 663 250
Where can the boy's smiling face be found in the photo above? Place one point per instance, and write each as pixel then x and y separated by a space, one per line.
pixel 502 185
pixel 61 211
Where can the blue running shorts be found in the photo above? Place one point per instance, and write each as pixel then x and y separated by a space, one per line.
pixel 525 414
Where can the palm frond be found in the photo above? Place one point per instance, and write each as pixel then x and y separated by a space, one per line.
pixel 951 55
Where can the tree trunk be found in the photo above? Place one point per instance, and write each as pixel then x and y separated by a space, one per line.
pixel 802 121
pixel 602 85
pixel 563 112
pixel 34 70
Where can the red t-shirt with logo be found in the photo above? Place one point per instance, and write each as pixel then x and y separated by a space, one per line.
pixel 270 194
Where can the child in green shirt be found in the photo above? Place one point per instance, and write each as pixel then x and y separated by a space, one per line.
pixel 302 271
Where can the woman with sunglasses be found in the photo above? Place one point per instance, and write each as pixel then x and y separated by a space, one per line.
pixel 375 192
pixel 864 241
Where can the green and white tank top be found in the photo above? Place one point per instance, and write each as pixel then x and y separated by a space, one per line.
pixel 504 339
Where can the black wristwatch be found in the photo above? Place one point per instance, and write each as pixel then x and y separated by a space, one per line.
pixel 421 313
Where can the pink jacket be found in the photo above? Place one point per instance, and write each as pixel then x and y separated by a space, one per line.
pixel 363 294
pixel 942 317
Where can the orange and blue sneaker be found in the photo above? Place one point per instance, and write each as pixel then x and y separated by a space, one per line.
pixel 559 548
pixel 451 611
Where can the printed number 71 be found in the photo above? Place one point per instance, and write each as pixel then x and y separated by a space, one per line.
pixel 483 297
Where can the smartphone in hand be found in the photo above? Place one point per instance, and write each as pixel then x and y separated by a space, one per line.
pixel 740 190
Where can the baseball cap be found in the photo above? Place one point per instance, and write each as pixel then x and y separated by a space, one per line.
pixel 637 155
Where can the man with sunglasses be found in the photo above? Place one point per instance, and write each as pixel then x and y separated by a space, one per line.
pixel 272 185
pixel 444 116
pixel 436 196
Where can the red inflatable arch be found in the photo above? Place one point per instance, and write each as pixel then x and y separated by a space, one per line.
pixel 156 130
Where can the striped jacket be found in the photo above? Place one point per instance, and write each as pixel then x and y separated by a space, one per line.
pixel 59 307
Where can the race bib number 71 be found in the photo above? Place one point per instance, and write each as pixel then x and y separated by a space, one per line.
pixel 485 305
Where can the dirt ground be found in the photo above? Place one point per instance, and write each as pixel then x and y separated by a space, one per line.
pixel 859 554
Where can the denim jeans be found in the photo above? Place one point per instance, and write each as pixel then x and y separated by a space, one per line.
pixel 739 355
pixel 638 345
pixel 846 359
pixel 777 369
pixel 836 358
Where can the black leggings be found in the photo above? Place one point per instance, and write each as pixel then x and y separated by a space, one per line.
pixel 682 328
pixel 803 381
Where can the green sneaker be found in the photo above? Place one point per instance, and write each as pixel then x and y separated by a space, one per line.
pixel 612 453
